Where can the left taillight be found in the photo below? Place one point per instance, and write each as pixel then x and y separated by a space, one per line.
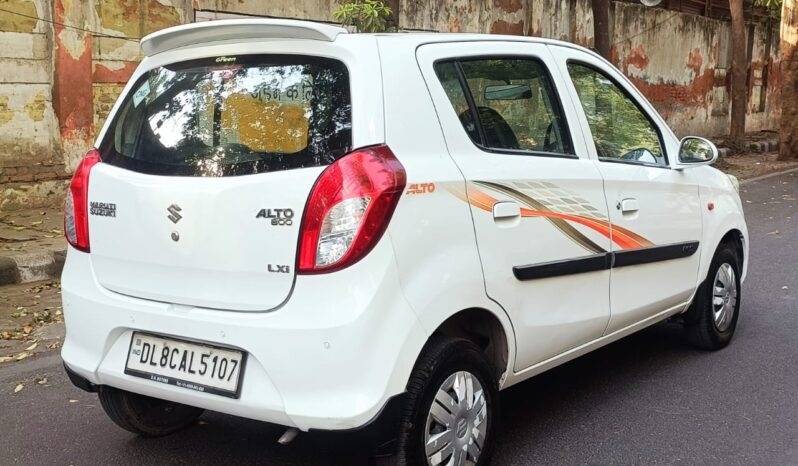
pixel 76 212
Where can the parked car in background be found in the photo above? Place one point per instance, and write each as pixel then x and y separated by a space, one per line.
pixel 332 231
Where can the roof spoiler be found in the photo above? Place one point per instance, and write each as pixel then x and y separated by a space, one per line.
pixel 231 29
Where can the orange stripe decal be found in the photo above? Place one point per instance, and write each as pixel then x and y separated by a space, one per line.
pixel 624 238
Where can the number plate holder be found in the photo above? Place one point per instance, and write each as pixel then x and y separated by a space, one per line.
pixel 186 364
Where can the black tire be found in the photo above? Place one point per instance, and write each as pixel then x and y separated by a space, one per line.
pixel 146 416
pixel 702 329
pixel 442 358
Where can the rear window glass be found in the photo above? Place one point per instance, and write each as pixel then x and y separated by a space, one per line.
pixel 227 116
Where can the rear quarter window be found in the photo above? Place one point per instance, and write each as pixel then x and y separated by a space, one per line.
pixel 227 116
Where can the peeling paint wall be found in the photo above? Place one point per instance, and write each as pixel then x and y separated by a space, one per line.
pixel 58 83
pixel 765 78
pixel 489 16
pixel 678 61
pixel 29 143
pixel 318 10
pixel 688 80
pixel 115 58
pixel 678 79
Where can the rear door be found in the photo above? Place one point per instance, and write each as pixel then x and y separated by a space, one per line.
pixel 206 168
pixel 536 199
pixel 654 209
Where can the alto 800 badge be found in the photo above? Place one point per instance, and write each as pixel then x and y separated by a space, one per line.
pixel 277 217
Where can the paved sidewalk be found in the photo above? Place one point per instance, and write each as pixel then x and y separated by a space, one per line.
pixel 32 245
pixel 31 320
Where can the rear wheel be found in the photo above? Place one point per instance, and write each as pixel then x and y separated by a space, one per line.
pixel 712 318
pixel 451 407
pixel 146 416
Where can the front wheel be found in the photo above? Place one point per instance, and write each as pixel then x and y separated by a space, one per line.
pixel 712 317
pixel 451 408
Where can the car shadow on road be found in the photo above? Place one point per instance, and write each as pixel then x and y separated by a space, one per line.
pixel 568 398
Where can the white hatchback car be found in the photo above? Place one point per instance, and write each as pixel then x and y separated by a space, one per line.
pixel 323 230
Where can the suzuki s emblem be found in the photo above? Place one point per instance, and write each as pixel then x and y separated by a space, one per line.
pixel 174 214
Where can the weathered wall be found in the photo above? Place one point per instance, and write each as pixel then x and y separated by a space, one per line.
pixel 765 78
pixel 682 64
pixel 318 10
pixel 678 78
pixel 496 16
pixel 678 61
pixel 28 127
pixel 113 59
pixel 57 83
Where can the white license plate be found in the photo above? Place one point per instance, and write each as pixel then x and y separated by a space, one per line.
pixel 194 366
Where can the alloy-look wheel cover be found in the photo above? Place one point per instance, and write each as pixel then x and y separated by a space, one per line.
pixel 724 297
pixel 457 422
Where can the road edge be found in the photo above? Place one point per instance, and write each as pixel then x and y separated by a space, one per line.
pixel 768 175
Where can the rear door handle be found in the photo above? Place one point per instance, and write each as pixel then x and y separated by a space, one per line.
pixel 506 210
pixel 628 205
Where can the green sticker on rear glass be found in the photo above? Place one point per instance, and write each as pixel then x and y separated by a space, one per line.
pixel 141 93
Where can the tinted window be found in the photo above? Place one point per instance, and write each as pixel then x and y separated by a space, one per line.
pixel 514 101
pixel 233 116
pixel 621 131
pixel 450 80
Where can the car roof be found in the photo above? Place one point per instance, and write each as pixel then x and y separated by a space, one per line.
pixel 421 38
pixel 194 34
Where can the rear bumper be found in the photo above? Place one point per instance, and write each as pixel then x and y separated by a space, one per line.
pixel 329 359
pixel 379 433
pixel 79 381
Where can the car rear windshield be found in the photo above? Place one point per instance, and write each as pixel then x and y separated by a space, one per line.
pixel 237 115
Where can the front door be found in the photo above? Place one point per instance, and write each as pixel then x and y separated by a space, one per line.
pixel 653 208
pixel 537 200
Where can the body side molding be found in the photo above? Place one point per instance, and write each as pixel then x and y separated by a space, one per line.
pixel 654 254
pixel 605 261
pixel 564 267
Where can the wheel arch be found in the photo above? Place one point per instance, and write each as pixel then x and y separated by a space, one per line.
pixel 722 221
pixel 734 236
pixel 488 330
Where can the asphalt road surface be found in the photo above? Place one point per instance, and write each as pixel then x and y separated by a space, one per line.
pixel 648 399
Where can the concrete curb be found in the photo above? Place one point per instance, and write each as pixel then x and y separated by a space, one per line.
pixel 31 267
pixel 9 273
pixel 769 175
pixel 768 145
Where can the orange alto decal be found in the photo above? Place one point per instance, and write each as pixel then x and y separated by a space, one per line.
pixel 420 188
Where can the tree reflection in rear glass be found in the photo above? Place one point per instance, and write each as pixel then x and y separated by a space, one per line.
pixel 250 114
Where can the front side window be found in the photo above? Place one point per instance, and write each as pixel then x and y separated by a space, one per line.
pixel 515 106
pixel 621 131
pixel 233 116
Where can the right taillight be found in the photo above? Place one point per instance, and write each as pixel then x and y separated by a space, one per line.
pixel 76 212
pixel 349 209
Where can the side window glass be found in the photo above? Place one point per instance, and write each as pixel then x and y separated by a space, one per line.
pixel 621 131
pixel 450 80
pixel 516 104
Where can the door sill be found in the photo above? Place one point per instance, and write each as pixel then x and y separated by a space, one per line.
pixel 562 358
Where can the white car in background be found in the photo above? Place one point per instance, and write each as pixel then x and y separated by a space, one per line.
pixel 322 230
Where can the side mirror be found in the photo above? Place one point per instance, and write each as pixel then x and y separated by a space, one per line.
pixel 695 151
